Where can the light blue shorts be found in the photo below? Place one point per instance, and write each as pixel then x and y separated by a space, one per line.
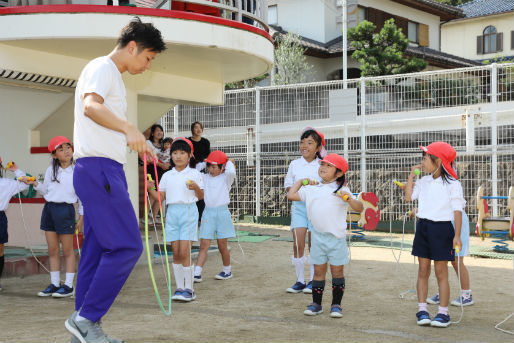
pixel 182 222
pixel 325 247
pixel 217 220
pixel 464 235
pixel 299 216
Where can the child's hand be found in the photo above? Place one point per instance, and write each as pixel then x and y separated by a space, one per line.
pixel 412 213
pixel 28 180
pixel 309 182
pixel 457 243
pixel 79 225
pixel 415 170
pixel 12 166
pixel 191 185
pixel 344 195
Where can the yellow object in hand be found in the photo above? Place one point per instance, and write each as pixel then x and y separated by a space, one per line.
pixel 457 249
pixel 345 197
pixel 398 183
pixel 30 178
pixel 9 165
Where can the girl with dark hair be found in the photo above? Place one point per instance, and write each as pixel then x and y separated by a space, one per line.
pixel 58 217
pixel 440 201
pixel 312 146
pixel 327 206
pixel 202 148
pixel 182 186
pixel 8 188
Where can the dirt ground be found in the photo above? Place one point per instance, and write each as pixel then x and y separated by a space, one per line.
pixel 254 307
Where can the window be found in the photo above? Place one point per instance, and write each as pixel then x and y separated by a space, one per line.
pixel 272 15
pixel 413 29
pixel 489 39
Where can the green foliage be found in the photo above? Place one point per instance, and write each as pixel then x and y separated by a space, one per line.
pixel 290 61
pixel 245 83
pixel 382 53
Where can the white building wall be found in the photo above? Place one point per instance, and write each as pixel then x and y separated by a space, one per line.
pixel 303 17
pixel 460 37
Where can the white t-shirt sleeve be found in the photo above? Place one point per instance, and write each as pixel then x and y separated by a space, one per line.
pixel 42 187
pixel 417 189
pixel 230 173
pixel 346 189
pixel 289 181
pixel 163 182
pixel 456 197
pixel 98 80
pixel 302 192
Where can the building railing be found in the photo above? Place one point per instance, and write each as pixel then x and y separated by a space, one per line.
pixel 251 12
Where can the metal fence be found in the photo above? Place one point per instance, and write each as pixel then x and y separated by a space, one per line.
pixel 470 108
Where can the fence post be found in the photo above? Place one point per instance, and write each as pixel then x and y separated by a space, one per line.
pixel 345 140
pixel 494 135
pixel 258 152
pixel 470 131
pixel 175 120
pixel 363 134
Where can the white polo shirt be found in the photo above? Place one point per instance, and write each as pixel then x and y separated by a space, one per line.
pixel 325 209
pixel 301 169
pixel 9 187
pixel 62 191
pixel 437 200
pixel 174 183
pixel 100 76
pixel 217 188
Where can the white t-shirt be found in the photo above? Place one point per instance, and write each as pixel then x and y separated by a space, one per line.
pixel 325 209
pixel 301 169
pixel 217 189
pixel 9 187
pixel 437 200
pixel 62 191
pixel 174 183
pixel 100 76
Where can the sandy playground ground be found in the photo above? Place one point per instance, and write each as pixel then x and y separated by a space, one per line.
pixel 254 307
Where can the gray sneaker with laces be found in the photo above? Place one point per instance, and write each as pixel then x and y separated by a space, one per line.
pixel 85 330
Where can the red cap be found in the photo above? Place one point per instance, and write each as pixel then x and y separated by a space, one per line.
pixel 56 142
pixel 445 152
pixel 337 161
pixel 185 140
pixel 217 157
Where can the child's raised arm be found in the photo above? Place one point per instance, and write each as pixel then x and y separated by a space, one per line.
pixel 355 204
pixel 292 193
pixel 410 183
pixel 230 172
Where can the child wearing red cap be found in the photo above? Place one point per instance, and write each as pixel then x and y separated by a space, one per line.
pixel 327 206
pixel 216 219
pixel 312 147
pixel 440 201
pixel 8 188
pixel 182 187
pixel 58 217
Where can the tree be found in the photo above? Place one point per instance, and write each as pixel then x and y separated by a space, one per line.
pixel 453 2
pixel 382 53
pixel 290 61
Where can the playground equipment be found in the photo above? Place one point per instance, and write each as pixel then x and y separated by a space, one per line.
pixel 368 219
pixel 500 228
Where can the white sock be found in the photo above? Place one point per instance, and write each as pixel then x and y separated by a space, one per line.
pixel 55 278
pixel 69 279
pixel 466 293
pixel 299 264
pixel 198 271
pixel 188 277
pixel 178 271
pixel 226 269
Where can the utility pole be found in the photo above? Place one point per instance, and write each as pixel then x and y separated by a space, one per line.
pixel 345 43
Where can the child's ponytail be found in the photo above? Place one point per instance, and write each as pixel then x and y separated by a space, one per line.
pixel 340 182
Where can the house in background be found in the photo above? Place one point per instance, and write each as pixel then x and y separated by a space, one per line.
pixel 318 23
pixel 486 31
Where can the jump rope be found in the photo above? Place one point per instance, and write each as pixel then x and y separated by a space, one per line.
pixel 457 253
pixel 497 326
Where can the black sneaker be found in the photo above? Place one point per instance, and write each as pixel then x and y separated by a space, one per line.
pixel 63 291
pixel 47 292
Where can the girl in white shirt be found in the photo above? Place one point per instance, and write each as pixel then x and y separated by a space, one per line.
pixel 440 201
pixel 327 206
pixel 312 147
pixel 58 217
pixel 182 187
pixel 8 188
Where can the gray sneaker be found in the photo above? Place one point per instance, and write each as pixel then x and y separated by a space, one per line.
pixel 85 330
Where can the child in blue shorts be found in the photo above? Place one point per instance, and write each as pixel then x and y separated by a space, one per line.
pixel 216 219
pixel 466 298
pixel 440 201
pixel 312 147
pixel 182 187
pixel 58 217
pixel 327 206
pixel 8 188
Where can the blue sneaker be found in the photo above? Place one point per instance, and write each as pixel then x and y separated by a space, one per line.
pixel 441 321
pixel 308 288
pixel 336 311
pixel 434 300
pixel 197 278
pixel 47 292
pixel 296 288
pixel 465 301
pixel 187 295
pixel 178 294
pixel 313 310
pixel 223 276
pixel 423 318
pixel 63 291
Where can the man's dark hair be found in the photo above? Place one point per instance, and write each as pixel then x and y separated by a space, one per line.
pixel 145 35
